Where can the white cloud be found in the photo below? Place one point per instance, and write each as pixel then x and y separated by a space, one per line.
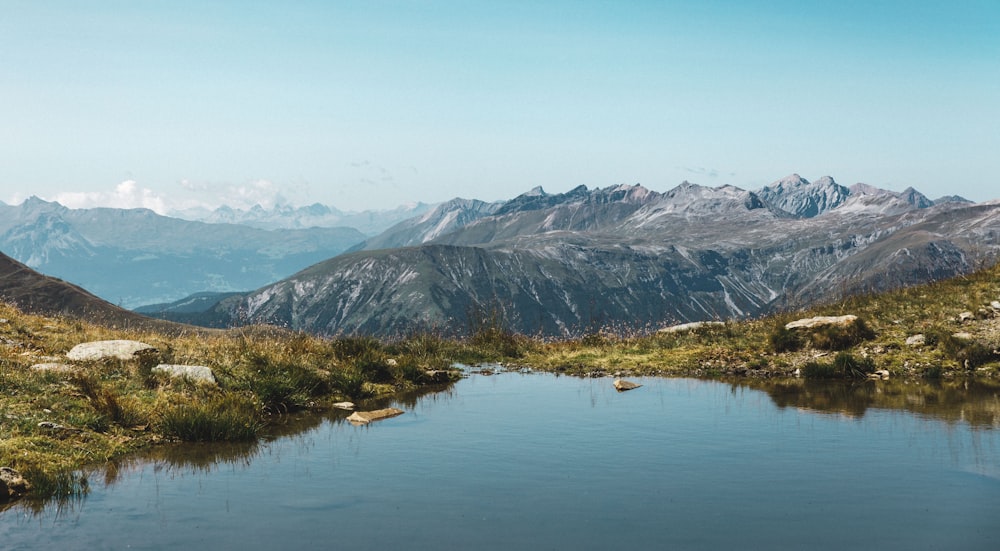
pixel 240 196
pixel 126 195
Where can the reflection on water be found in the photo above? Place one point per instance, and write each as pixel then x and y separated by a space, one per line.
pixel 976 403
pixel 540 461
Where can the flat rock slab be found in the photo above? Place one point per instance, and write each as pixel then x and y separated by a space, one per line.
pixel 821 321
pixel 349 406
pixel 196 373
pixel 622 385
pixel 365 417
pixel 98 350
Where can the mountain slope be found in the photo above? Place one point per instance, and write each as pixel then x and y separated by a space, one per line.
pixel 625 256
pixel 36 293
pixel 135 256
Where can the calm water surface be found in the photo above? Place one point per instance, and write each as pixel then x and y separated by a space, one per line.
pixel 518 461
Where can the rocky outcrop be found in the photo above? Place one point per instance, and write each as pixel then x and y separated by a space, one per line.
pixel 193 373
pixel 53 367
pixel 12 485
pixel 683 327
pixel 822 321
pixel 119 349
pixel 365 417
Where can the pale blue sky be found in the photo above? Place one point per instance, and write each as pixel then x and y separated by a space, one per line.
pixel 367 104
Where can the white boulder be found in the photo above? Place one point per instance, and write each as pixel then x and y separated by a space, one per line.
pixel 98 350
pixel 194 373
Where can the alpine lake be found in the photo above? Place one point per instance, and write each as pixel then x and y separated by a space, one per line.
pixel 519 460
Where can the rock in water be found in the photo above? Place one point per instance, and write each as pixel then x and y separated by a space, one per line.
pixel 344 405
pixel 12 484
pixel 365 417
pixel 120 349
pixel 623 385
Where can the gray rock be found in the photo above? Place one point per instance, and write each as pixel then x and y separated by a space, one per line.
pixel 12 484
pixel 916 340
pixel 963 336
pixel 995 305
pixel 437 376
pixel 365 417
pixel 820 321
pixel 120 349
pixel 195 373
pixel 622 385
pixel 53 367
pixel 344 405
pixel 689 326
pixel 966 316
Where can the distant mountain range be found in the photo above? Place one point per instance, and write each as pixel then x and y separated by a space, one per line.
pixel 132 257
pixel 286 217
pixel 625 257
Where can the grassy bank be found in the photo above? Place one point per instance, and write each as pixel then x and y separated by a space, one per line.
pixel 56 421
pixel 960 332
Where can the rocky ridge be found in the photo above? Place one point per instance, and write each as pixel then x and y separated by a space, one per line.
pixel 628 257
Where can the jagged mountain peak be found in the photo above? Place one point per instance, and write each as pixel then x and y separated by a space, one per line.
pixel 916 198
pixel 534 201
pixel 951 199
pixel 797 196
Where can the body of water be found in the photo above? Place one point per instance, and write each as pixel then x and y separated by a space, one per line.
pixel 516 461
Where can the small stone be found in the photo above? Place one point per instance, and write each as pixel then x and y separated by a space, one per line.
pixel 966 316
pixel 344 405
pixel 916 340
pixel 622 385
pixel 995 305
pixel 962 335
pixel 391 362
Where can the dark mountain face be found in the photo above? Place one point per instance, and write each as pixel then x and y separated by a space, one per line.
pixel 35 293
pixel 625 256
pixel 134 257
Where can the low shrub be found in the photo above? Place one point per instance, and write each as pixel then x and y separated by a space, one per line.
pixel 967 352
pixel 843 366
pixel 231 417
pixel 348 348
pixel 781 339
pixel 349 382
pixel 285 387
pixel 124 411
pixel 840 337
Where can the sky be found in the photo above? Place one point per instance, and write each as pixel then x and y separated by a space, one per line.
pixel 371 104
